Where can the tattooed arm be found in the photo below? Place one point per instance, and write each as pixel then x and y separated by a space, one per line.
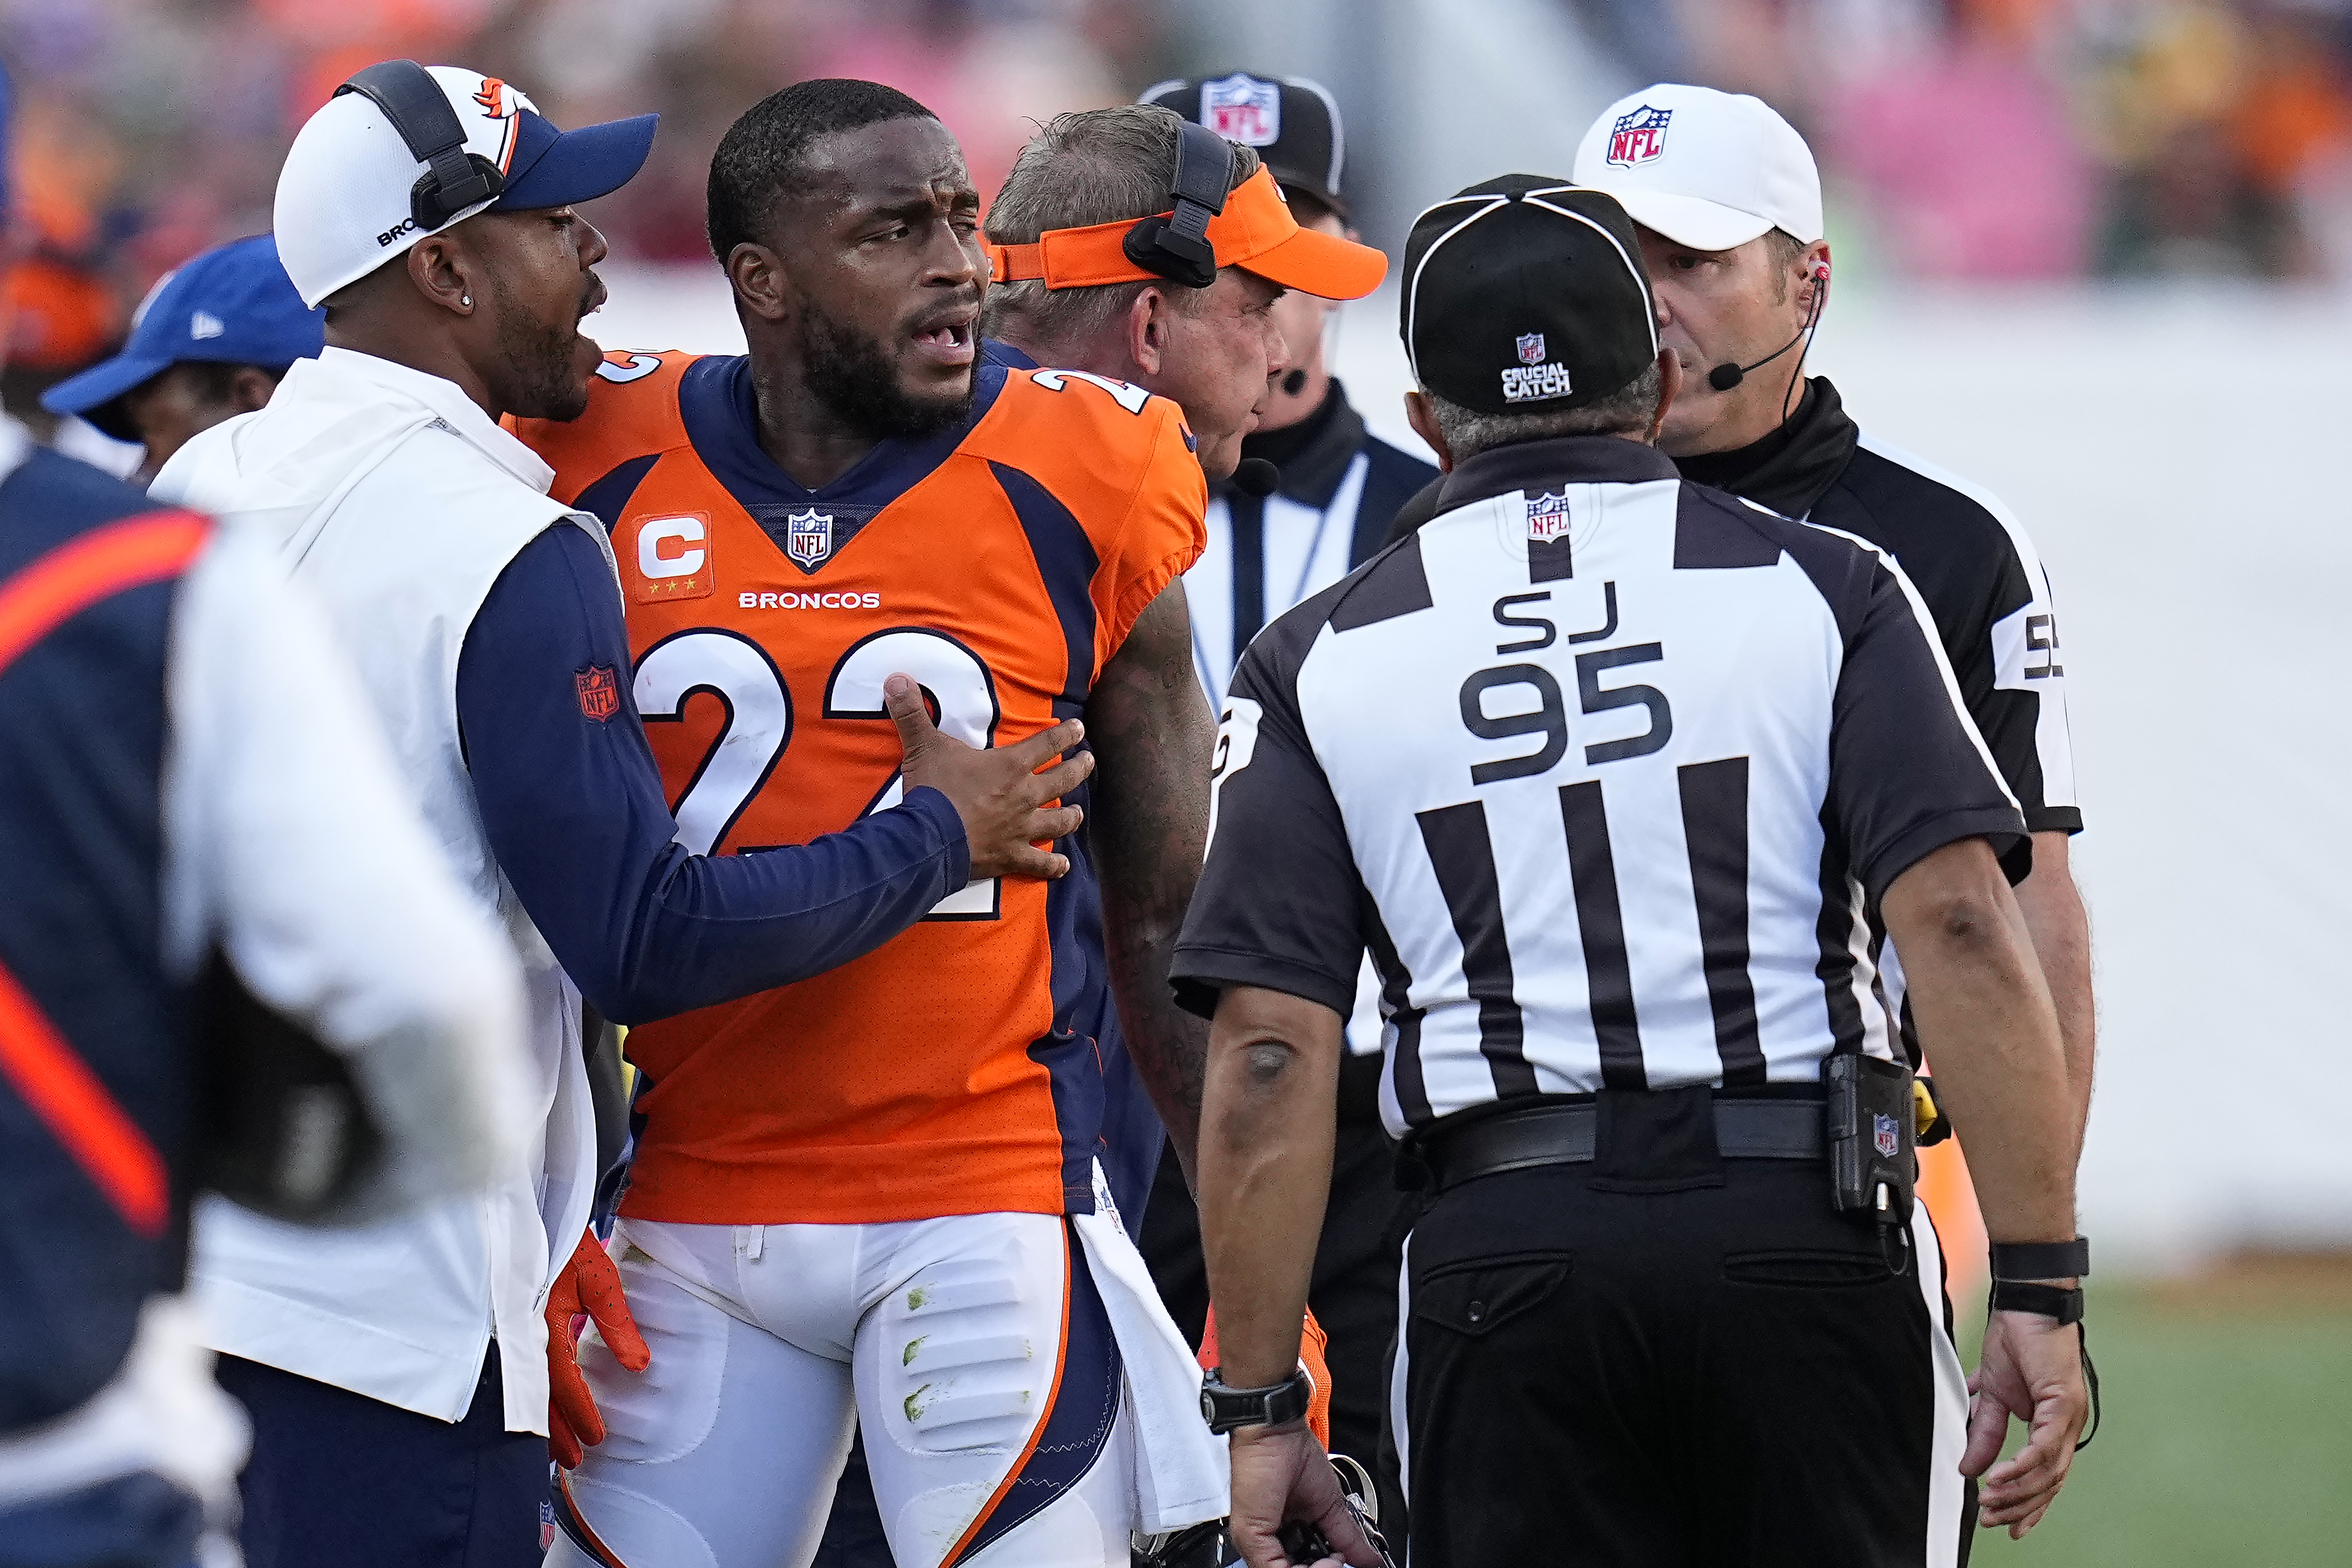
pixel 1153 736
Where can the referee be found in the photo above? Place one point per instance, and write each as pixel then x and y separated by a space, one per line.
pixel 1611 773
pixel 1728 209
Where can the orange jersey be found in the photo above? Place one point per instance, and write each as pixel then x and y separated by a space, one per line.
pixel 1001 564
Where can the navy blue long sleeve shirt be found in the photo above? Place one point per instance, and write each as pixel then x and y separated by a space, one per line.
pixel 571 801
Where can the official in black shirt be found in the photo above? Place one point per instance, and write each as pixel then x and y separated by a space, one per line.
pixel 1612 773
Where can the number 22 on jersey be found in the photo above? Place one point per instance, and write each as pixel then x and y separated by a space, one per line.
pixel 759 718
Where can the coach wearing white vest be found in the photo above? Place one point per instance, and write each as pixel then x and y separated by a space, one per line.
pixel 399 1377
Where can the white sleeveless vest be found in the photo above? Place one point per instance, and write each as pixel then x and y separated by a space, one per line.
pixel 399 503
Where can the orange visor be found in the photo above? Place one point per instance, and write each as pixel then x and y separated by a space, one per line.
pixel 1255 232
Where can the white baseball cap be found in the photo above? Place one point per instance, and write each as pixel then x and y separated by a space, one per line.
pixel 359 189
pixel 1707 169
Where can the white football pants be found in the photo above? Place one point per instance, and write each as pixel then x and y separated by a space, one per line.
pixel 972 1349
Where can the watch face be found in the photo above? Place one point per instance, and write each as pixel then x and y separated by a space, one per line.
pixel 1208 1409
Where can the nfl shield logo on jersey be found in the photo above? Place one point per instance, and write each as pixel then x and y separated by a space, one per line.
pixel 1548 517
pixel 808 536
pixel 1532 348
pixel 1885 1136
pixel 1239 107
pixel 1639 136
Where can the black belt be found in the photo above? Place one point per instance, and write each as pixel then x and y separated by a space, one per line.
pixel 1567 1134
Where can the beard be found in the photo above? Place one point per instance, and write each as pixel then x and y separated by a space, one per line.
pixel 850 374
pixel 541 360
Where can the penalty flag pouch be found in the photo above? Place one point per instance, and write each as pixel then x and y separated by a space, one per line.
pixel 1871 1132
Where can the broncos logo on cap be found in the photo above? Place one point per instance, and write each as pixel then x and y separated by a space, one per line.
pixel 500 101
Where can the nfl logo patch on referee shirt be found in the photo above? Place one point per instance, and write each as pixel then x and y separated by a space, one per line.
pixel 1547 518
pixel 1885 1136
pixel 1639 137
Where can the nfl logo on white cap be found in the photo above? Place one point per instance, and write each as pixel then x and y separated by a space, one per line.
pixel 1639 137
pixel 1738 168
pixel 1239 107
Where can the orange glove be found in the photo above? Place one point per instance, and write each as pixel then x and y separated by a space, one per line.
pixel 1311 1340
pixel 588 1287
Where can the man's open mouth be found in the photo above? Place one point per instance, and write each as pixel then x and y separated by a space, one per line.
pixel 949 339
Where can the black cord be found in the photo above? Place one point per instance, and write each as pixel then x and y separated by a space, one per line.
pixel 2091 1378
pixel 1812 323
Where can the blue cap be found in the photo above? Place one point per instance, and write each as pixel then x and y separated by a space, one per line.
pixel 232 305
pixel 553 168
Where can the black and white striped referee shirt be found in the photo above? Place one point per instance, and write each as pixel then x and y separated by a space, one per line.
pixel 1608 771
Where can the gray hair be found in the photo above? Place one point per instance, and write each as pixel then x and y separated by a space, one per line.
pixel 1097 165
pixel 1624 411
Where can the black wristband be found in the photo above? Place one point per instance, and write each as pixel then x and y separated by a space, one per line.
pixel 1229 1409
pixel 2041 1259
pixel 2046 1301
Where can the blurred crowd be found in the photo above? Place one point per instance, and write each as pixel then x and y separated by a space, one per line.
pixel 2042 139
pixel 1962 139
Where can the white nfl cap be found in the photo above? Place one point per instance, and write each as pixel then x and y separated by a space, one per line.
pixel 1707 169
pixel 354 193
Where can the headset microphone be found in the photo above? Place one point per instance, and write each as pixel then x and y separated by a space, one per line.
pixel 1725 376
pixel 1294 383
pixel 1257 477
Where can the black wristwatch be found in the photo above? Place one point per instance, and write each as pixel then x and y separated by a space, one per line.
pixel 1226 1409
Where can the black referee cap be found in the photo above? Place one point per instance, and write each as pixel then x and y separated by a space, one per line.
pixel 1293 123
pixel 1526 294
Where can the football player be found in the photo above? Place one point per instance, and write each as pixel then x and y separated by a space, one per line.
pixel 873 1197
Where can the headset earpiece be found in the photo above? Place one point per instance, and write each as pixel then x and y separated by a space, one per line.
pixel 1177 246
pixel 454 179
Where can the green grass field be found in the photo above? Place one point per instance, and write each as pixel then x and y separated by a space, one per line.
pixel 2227 1441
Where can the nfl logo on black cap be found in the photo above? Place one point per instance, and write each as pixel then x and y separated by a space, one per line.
pixel 1639 137
pixel 1292 122
pixel 1239 107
